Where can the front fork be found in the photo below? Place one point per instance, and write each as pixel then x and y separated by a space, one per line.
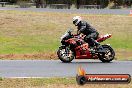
pixel 62 47
pixel 67 48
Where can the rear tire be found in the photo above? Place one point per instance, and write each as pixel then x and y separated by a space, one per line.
pixel 65 56
pixel 108 56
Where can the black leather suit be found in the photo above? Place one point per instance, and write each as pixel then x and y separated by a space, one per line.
pixel 89 31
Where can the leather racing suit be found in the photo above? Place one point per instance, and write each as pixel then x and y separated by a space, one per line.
pixel 91 34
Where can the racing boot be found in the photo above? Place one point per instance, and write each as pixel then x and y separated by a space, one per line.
pixel 100 49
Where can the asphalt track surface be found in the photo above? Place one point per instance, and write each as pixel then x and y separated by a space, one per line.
pixel 82 11
pixel 55 68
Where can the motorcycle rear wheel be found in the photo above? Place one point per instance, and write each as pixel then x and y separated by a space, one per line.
pixel 108 56
pixel 65 54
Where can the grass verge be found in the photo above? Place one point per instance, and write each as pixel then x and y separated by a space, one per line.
pixel 54 83
pixel 28 35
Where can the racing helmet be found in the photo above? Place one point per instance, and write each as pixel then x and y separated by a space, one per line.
pixel 76 20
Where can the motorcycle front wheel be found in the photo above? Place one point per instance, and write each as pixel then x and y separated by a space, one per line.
pixel 65 54
pixel 108 56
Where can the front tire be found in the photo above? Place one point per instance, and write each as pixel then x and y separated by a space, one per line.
pixel 65 54
pixel 108 56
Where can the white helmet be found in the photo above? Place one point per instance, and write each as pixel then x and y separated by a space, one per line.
pixel 76 20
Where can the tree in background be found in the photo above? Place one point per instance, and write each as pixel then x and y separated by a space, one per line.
pixel 120 3
pixel 127 3
pixel 77 3
pixel 39 3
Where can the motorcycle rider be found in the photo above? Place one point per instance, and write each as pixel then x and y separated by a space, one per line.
pixel 86 29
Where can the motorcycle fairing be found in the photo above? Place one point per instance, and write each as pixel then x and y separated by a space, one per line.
pixel 82 52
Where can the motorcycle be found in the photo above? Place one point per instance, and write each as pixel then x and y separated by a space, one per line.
pixel 73 46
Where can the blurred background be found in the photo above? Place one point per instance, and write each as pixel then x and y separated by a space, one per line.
pixel 68 4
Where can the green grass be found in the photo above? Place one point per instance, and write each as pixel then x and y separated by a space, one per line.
pixel 27 44
pixel 43 81
pixel 120 42
pixel 53 83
